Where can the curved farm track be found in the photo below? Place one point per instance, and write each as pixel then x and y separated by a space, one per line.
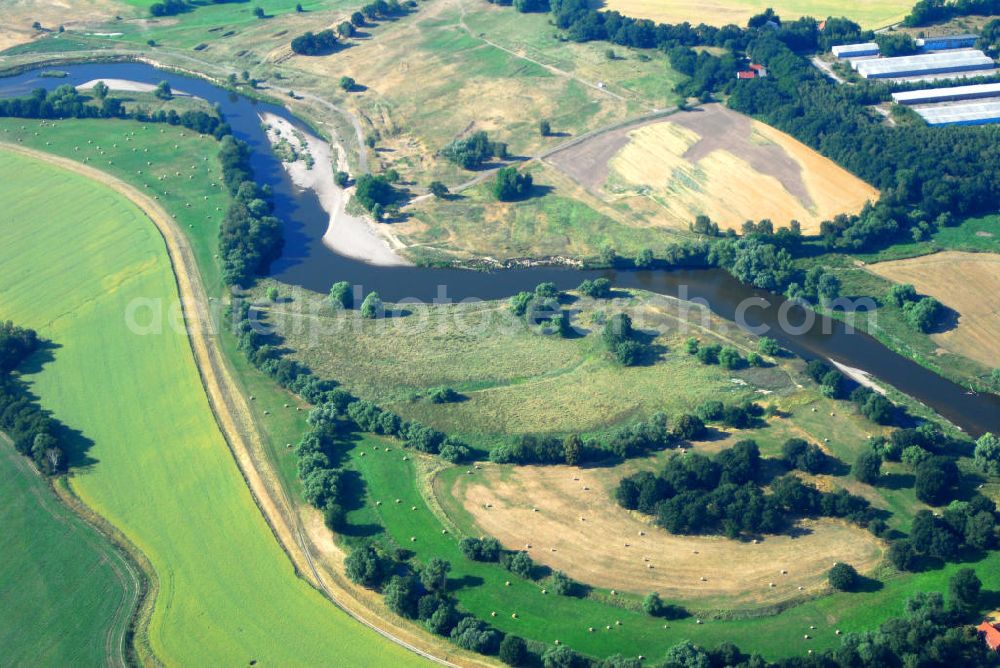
pixel 236 422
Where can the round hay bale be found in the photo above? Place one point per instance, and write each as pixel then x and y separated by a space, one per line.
pixel 493 614
pixel 507 583
pixel 772 584
pixel 513 615
pixel 413 539
pixel 590 629
pixel 545 591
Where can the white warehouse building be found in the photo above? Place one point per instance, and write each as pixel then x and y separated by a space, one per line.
pixel 855 50
pixel 931 63
pixel 950 94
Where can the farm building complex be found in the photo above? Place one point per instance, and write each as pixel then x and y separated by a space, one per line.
pixel 980 113
pixel 923 65
pixel 952 94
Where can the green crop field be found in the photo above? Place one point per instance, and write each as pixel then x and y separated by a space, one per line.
pixel 149 456
pixel 481 587
pixel 65 592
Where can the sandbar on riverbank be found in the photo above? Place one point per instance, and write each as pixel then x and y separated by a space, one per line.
pixel 352 236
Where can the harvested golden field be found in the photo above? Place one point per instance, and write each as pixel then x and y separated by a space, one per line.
pixel 580 530
pixel 869 13
pixel 720 163
pixel 966 282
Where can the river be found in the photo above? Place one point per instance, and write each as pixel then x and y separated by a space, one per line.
pixel 308 263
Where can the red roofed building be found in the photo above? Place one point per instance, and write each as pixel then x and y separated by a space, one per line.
pixel 746 75
pixel 990 635
pixel 760 70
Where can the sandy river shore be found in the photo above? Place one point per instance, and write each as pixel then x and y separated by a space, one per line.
pixel 352 236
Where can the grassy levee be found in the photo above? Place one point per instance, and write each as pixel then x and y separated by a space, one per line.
pixel 66 595
pixel 547 617
pixel 149 456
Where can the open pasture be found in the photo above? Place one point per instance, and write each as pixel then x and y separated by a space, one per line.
pixel 716 162
pixel 458 66
pixel 869 13
pixel 515 380
pixel 966 282
pixel 561 218
pixel 150 458
pixel 579 529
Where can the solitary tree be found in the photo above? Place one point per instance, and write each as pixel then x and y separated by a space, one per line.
pixel 434 576
pixel 867 467
pixel 644 259
pixel 987 454
pixel 544 128
pixel 509 184
pixel 653 604
pixel 513 650
pixel 272 294
pixel 100 90
pixel 163 91
pixel 768 346
pixel 842 576
pixel 341 178
pixel 298 7
pixel 438 189
pixel 372 306
pixel 963 591
pixel 258 12
pixel 347 83
pixel 341 294
pixel 572 447
pixel 608 256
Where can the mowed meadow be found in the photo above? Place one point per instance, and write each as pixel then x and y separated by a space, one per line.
pixel 149 456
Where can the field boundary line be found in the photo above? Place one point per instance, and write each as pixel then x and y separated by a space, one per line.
pixel 230 408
